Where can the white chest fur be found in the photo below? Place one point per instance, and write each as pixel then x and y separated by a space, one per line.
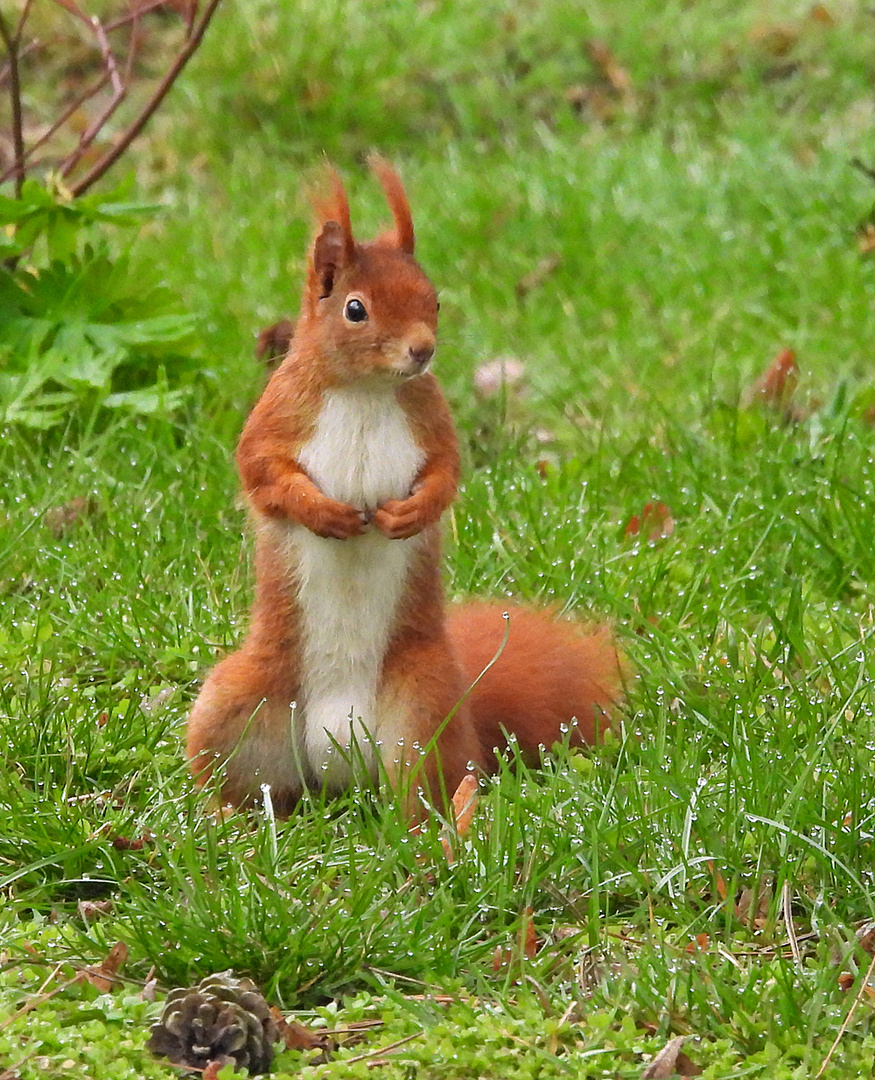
pixel 362 452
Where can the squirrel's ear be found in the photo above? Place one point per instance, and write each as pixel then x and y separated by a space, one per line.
pixel 329 257
pixel 396 198
pixel 334 247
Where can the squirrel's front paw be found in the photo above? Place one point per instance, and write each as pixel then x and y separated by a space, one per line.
pixel 399 519
pixel 336 520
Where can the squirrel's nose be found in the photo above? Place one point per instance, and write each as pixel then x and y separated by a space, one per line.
pixel 420 354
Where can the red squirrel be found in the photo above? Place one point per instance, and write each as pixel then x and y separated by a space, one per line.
pixel 348 461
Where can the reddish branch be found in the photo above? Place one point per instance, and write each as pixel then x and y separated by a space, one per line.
pixel 12 42
pixel 113 74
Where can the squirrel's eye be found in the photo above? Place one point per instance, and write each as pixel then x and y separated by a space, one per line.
pixel 355 311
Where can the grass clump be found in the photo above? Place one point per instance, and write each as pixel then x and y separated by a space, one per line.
pixel 640 211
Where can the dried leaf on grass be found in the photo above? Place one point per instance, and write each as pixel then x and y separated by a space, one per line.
pixel 775 389
pixel 297 1036
pixel 537 275
pixel 753 905
pixel 527 943
pixel 866 239
pixel 609 68
pixel 655 519
pixel 671 1061
pixel 92 910
pixel 60 519
pixel 214 1067
pixel 104 977
pixel 464 805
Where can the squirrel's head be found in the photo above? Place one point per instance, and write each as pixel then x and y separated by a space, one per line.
pixel 372 308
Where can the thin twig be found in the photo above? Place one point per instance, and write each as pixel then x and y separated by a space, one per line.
pixel 22 52
pixel 119 93
pixel 865 169
pixel 863 985
pixel 12 42
pixel 59 123
pixel 112 155
pixel 384 1049
pixel 22 19
pixel 134 14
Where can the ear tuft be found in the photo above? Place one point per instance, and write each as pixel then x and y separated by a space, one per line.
pixel 404 237
pixel 329 257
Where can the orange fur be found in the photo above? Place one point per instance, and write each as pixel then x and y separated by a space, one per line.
pixel 348 461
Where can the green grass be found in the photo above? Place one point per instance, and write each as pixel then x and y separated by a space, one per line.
pixel 702 223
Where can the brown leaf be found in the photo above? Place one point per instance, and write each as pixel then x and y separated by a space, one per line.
pixel 700 943
pixel 609 68
pixel 104 976
pixel 866 239
pixel 671 1061
pixel 150 986
pixel 820 14
pixel 123 843
pixel 538 275
pixel 655 517
pixel 777 384
pixel 60 519
pixel 528 938
pixel 92 910
pixel 296 1036
pixel 753 906
pixel 846 981
pixel 214 1067
pixel 719 883
pixel 465 803
pixel 866 937
pixel 774 38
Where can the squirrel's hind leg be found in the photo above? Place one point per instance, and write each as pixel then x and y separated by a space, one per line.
pixel 243 726
pixel 421 696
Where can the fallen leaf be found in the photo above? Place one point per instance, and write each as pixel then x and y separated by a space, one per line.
pixel 609 68
pixel 846 981
pixel 819 14
pixel 699 943
pixel 655 517
pixel 719 883
pixel 150 986
pixel 777 384
pixel 671 1061
pixel 60 519
pixel 104 976
pixel 752 908
pixel 538 275
pixel 465 803
pixel 775 39
pixel 528 938
pixel 297 1036
pixel 866 239
pixel 92 910
pixel 214 1067
pixel 866 937
pixel 123 843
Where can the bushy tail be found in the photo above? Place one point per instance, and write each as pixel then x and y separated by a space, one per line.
pixel 550 673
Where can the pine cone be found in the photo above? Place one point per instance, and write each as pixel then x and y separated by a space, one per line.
pixel 221 1016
